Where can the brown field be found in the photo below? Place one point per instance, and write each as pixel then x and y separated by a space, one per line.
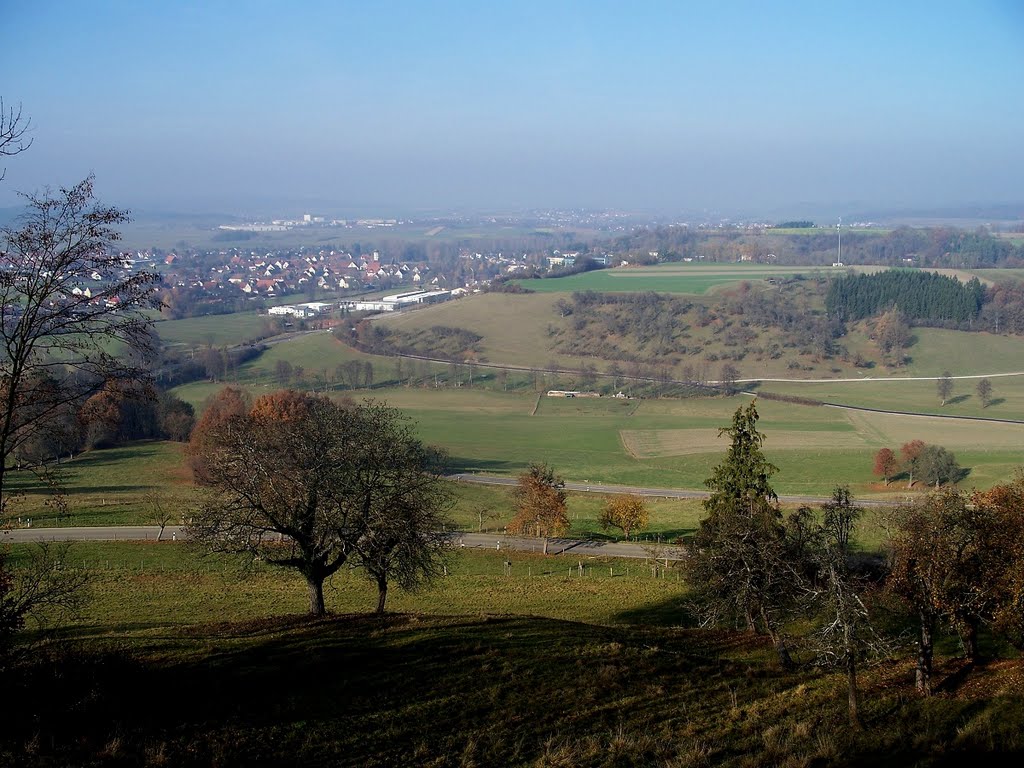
pixel 655 443
pixel 963 434
pixel 853 430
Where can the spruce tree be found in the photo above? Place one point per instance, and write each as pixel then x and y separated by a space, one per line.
pixel 740 565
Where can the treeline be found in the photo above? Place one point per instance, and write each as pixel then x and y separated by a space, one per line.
pixel 118 413
pixel 1003 311
pixel 931 247
pixel 439 341
pixel 212 364
pixel 664 329
pixel 922 297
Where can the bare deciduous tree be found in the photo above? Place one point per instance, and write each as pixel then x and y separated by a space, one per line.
pixel 944 386
pixel 303 482
pixel 14 127
pixel 984 390
pixel 58 343
pixel 44 585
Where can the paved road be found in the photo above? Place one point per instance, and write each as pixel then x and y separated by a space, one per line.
pixel 881 378
pixel 579 548
pixel 93 533
pixel 667 493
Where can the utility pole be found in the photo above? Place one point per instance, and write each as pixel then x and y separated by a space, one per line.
pixel 839 229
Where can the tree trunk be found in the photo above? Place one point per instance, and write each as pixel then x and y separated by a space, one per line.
pixel 969 638
pixel 785 660
pixel 925 652
pixel 382 594
pixel 852 690
pixel 751 624
pixel 316 595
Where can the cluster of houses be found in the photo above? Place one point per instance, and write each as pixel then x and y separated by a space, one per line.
pixel 234 272
pixel 231 274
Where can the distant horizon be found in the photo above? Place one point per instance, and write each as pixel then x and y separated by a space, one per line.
pixel 671 107
pixel 970 213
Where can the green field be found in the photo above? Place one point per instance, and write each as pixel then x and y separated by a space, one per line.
pixel 674 443
pixel 667 278
pixel 914 396
pixel 123 486
pixel 167 585
pixel 115 486
pixel 213 330
pixel 1000 275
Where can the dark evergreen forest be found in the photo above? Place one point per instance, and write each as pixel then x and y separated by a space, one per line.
pixel 922 297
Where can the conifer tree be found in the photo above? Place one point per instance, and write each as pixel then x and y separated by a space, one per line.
pixel 740 564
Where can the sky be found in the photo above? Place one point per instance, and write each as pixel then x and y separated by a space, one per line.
pixel 254 107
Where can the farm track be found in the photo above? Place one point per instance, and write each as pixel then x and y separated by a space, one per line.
pixel 713 385
pixel 664 493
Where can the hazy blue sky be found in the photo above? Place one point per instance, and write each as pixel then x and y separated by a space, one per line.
pixel 246 106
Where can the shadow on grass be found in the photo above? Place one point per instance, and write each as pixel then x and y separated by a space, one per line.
pixel 484 690
pixel 355 690
pixel 138 450
pixel 667 613
pixel 465 464
pixel 72 490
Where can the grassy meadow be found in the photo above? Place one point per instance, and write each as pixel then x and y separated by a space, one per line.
pixel 667 278
pixel 674 443
pixel 114 486
pixel 1007 398
pixel 534 668
pixel 213 330
pixel 128 485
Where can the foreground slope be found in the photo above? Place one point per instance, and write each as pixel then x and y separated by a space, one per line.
pixel 481 690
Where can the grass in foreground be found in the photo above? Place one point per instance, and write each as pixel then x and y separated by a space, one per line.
pixel 159 678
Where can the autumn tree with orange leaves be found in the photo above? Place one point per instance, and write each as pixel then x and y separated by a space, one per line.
pixel 886 464
pixel 539 499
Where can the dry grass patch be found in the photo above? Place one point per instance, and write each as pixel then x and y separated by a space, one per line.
pixel 655 443
pixel 954 433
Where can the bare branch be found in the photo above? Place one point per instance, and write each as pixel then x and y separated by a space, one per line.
pixel 13 129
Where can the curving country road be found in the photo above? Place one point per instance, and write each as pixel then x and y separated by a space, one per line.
pixel 667 493
pixel 709 383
